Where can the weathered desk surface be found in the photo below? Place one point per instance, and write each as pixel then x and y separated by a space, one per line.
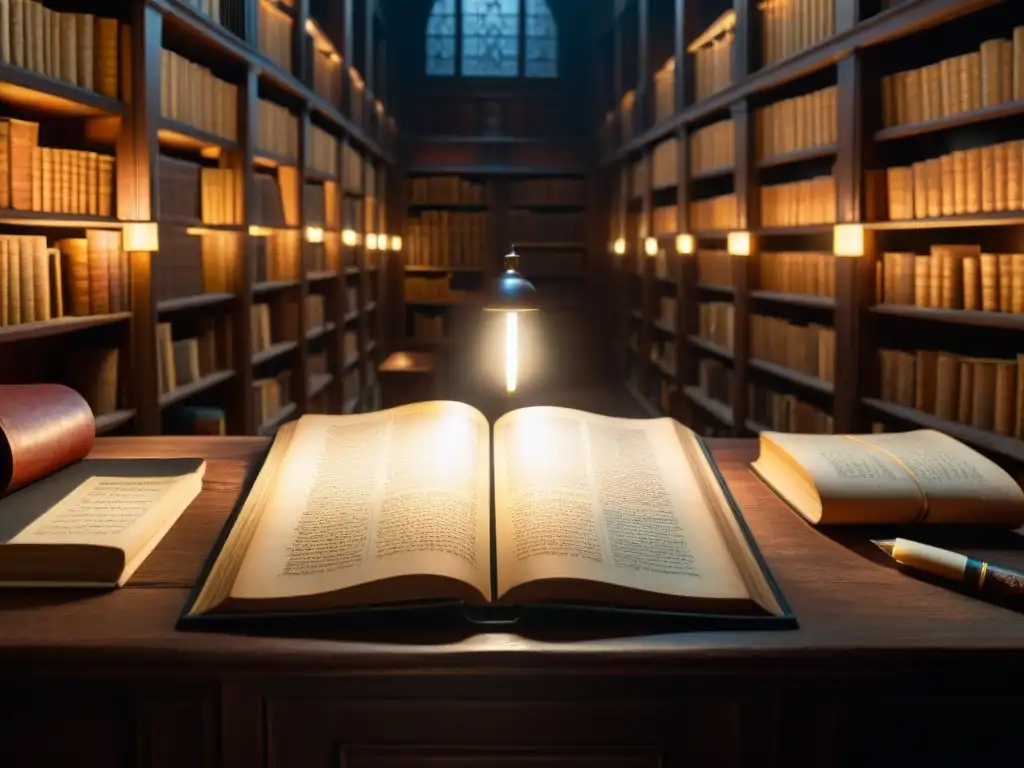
pixel 869 636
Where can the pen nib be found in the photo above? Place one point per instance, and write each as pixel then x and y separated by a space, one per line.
pixel 886 545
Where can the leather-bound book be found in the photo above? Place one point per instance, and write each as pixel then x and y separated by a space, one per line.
pixel 72 521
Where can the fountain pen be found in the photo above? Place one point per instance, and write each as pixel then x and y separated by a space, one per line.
pixel 978 576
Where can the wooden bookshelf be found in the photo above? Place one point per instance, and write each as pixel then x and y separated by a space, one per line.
pixel 223 204
pixel 838 295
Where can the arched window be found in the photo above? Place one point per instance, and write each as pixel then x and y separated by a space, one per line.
pixel 494 38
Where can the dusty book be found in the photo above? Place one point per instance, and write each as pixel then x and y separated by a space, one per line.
pixel 921 476
pixel 396 507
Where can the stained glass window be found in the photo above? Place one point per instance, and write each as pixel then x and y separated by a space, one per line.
pixel 441 38
pixel 490 38
pixel 541 40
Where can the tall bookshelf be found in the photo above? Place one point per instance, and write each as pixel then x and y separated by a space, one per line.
pixel 216 140
pixel 833 118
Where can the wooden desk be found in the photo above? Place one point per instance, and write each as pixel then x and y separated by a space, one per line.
pixel 882 663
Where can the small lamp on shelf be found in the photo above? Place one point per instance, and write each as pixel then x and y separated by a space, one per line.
pixel 651 246
pixel 140 237
pixel 619 246
pixel 512 293
pixel 738 244
pixel 349 237
pixel 314 234
pixel 685 245
pixel 848 240
pixel 396 243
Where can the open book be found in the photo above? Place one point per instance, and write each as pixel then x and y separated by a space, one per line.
pixel 903 477
pixel 67 520
pixel 395 507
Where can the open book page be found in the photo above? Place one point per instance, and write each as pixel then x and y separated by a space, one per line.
pixel 580 496
pixel 359 499
pixel 887 478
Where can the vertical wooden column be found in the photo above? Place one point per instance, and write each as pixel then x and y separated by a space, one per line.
pixel 747 43
pixel 241 419
pixel 138 155
pixel 855 347
pixel 847 14
pixel 683 76
pixel 744 267
pixel 642 113
pixel 648 293
pixel 300 42
pixel 300 384
pixel 686 283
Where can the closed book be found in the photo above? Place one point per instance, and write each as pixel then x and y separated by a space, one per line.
pixel 1005 397
pixel 971 283
pixel 988 179
pixel 983 394
pixel 1005 282
pixel 989 269
pixel 926 368
pixel 965 403
pixel 922 294
pixel 26 256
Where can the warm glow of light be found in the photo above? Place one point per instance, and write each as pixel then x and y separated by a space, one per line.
pixel 382 241
pixel 371 241
pixel 848 240
pixel 619 246
pixel 738 244
pixel 314 234
pixel 684 244
pixel 396 243
pixel 348 236
pixel 651 246
pixel 511 351
pixel 140 237
pixel 255 231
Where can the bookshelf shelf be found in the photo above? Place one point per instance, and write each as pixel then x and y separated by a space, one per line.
pixel 714 173
pixel 663 327
pixel 351 363
pixel 794 299
pixel 272 286
pixel 710 347
pixel 176 135
pixel 45 220
pixel 994 219
pixel 724 290
pixel 193 388
pixel 414 268
pixel 322 330
pixel 804 229
pixel 1000 320
pixel 314 175
pixel 716 408
pixel 265 159
pixel 268 428
pixel 321 276
pixel 187 303
pixel 799 156
pixel 351 316
pixel 793 376
pixel 39 93
pixel 551 246
pixel 994 112
pixel 59 326
pixel 108 422
pixel 273 352
pixel 318 383
pixel 990 442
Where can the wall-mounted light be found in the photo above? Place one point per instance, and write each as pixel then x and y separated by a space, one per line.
pixel 684 244
pixel 619 246
pixel 140 237
pixel 349 237
pixel 314 234
pixel 651 246
pixel 848 240
pixel 396 243
pixel 371 241
pixel 256 231
pixel 382 241
pixel 738 244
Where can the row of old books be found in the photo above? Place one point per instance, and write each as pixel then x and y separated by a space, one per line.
pixel 276 257
pixel 715 321
pixel 714 267
pixel 985 393
pixel 195 420
pixel 665 220
pixel 428 329
pixel 446 190
pixel 182 361
pixel 803 122
pixel 787 413
pixel 277 130
pixel 76 48
pixel 548 191
pixel 547 227
pixel 260 325
pixel 639 173
pixel 270 396
pixel 327 66
pixel 193 95
pixel 712 64
pixel 809 349
pixel 665 91
pixel 981 179
pixel 351 298
pixel 275 34
pixel 799 272
pixel 268 205
pixel 221 195
pixel 665 164
pixel 350 347
pixel 667 312
pixel 792 26
pixel 714 379
pixel 78 277
pixel 953 277
pixel 983 78
pixel 320 205
pixel 662 266
pixel 447 239
pixel 713 213
pixel 663 355
pixel 432 289
pixel 713 147
pixel 188 265
pixel 316 312
pixel 34 178
pixel 556 263
pixel 352 169
pixel 323 155
pixel 799 203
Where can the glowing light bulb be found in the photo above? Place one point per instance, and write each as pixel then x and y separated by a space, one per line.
pixel 511 351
